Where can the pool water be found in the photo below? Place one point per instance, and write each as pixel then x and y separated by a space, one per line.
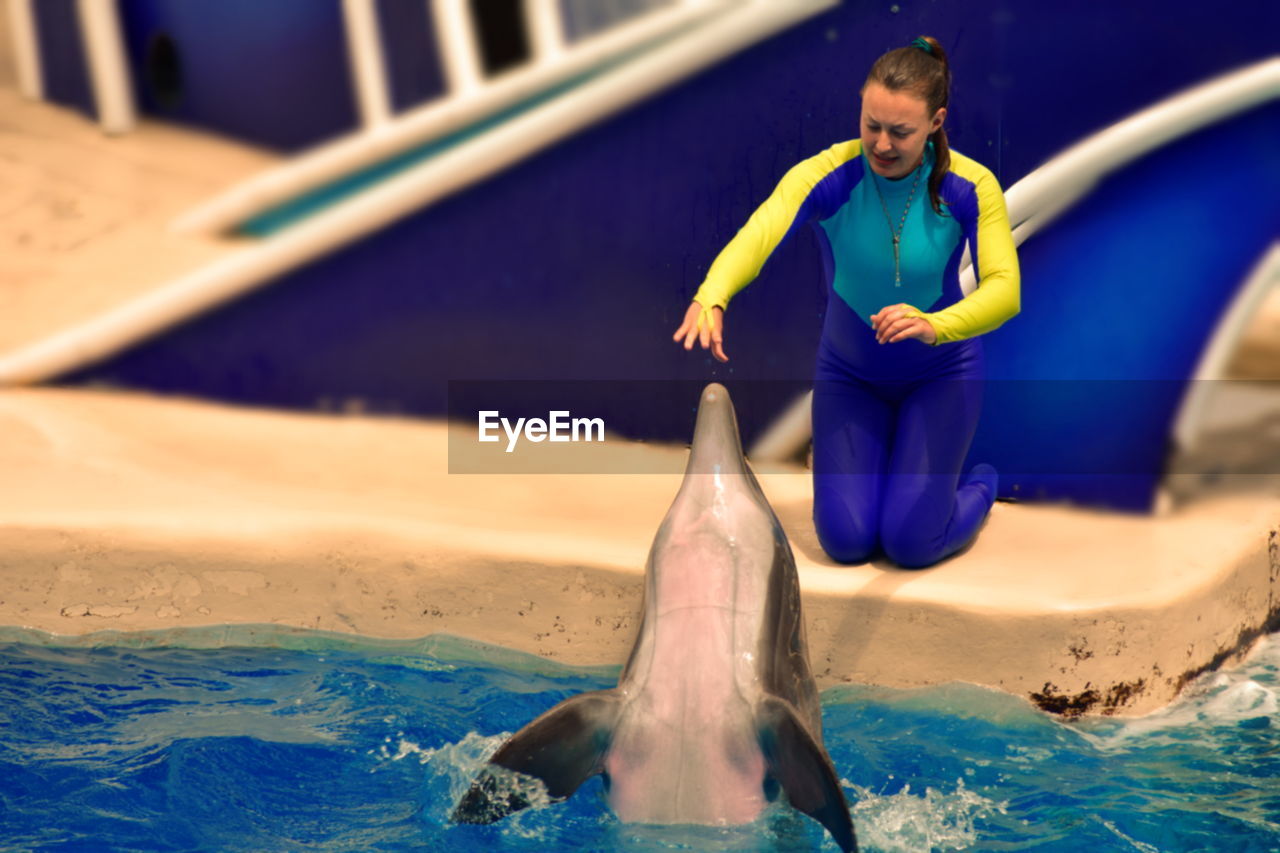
pixel 346 748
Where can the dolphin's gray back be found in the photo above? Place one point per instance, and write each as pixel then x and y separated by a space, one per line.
pixel 786 673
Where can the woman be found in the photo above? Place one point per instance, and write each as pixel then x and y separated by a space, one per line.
pixel 899 370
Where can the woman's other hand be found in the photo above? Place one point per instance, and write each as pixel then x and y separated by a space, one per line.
pixel 894 323
pixel 709 334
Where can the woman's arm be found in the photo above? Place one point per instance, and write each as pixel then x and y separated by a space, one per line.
pixel 998 296
pixel 792 204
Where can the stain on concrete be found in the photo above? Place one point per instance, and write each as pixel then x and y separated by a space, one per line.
pixel 1243 642
pixel 1122 694
pixel 1247 635
pixel 1049 699
pixel 1273 555
pixel 1105 702
pixel 1080 650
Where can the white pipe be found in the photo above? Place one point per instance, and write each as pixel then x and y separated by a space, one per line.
pixel 342 157
pixel 108 70
pixel 1126 141
pixel 26 48
pixel 1041 196
pixel 364 47
pixel 458 46
pixel 546 29
pixel 380 205
pixel 1262 279
pixel 777 444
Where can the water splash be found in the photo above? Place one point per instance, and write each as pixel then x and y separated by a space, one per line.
pixel 908 823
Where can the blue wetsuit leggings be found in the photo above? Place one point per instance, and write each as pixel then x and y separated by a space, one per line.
pixel 887 449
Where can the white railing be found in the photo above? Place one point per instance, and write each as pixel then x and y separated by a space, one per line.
pixel 466 102
pixel 458 46
pixel 364 48
pixel 104 54
pixel 108 70
pixel 546 28
pixel 26 48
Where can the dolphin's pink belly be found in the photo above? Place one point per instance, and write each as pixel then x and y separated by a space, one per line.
pixel 713 790
pixel 686 750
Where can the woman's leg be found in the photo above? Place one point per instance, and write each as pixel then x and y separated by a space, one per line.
pixel 925 517
pixel 851 432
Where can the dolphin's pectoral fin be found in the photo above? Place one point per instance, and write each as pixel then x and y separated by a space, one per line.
pixel 562 748
pixel 496 793
pixel 804 771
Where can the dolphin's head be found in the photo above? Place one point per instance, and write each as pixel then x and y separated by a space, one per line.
pixel 716 449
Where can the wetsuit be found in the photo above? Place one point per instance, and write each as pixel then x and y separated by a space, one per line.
pixel 891 422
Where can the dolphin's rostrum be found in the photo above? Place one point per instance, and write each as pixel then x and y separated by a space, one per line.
pixel 716 708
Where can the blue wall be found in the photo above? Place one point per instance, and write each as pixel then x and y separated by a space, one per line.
pixel 64 68
pixel 1120 299
pixel 273 73
pixel 578 263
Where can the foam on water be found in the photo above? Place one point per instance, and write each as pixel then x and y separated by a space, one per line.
pixel 907 823
pixel 900 822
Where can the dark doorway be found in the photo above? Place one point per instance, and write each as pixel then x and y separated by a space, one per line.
pixel 164 71
pixel 500 29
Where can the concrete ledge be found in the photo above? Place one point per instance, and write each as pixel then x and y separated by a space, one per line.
pixel 127 513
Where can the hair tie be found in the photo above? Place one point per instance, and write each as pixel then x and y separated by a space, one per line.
pixel 923 45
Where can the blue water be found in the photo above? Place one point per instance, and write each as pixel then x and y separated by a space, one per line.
pixel 341 749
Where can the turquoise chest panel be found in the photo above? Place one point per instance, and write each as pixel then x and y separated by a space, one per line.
pixel 862 243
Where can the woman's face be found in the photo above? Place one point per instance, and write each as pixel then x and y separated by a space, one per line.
pixel 895 125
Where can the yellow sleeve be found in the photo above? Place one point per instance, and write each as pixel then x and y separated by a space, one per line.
pixel 741 260
pixel 998 295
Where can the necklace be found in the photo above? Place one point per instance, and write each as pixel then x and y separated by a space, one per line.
pixel 897 234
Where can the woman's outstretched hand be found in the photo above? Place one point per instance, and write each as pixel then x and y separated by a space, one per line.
pixel 891 324
pixel 711 335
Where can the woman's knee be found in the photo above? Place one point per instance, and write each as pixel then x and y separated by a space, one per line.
pixel 911 553
pixel 848 536
pixel 912 543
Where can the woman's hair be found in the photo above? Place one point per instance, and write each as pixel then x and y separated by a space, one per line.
pixel 926 75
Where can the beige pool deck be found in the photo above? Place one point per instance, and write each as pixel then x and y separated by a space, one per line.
pixel 128 512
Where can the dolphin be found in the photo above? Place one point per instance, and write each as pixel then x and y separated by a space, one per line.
pixel 716 708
